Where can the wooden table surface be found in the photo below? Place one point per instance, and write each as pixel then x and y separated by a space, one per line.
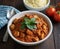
pixel 53 42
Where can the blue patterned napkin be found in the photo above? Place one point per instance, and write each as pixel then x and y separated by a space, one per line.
pixel 3 14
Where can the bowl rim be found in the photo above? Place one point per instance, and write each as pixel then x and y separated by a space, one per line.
pixel 48 2
pixel 30 43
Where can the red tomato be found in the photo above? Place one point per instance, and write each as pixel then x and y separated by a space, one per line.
pixel 57 16
pixel 50 11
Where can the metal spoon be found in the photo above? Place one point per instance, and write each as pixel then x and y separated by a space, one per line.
pixel 10 13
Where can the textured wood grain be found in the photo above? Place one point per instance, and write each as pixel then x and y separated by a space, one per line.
pixel 57 31
pixel 57 35
pixel 16 3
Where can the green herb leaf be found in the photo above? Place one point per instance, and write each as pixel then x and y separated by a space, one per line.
pixel 33 19
pixel 29 23
pixel 26 19
pixel 23 25
pixel 31 27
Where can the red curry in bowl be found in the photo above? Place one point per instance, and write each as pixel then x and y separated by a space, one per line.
pixel 29 28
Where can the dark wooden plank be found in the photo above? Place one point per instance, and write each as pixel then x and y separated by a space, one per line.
pixel 16 3
pixel 57 35
pixel 57 1
pixel 52 2
pixel 1 1
pixel 57 31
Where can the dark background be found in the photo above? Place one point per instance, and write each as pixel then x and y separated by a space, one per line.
pixel 53 42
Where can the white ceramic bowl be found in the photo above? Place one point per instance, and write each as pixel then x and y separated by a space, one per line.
pixel 37 9
pixel 30 12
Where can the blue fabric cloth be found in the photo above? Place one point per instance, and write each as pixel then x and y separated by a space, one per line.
pixel 3 14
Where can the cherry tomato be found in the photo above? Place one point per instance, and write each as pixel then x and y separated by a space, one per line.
pixel 50 11
pixel 57 16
